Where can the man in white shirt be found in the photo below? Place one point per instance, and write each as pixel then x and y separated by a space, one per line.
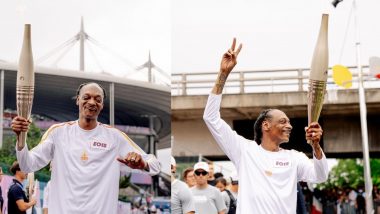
pixel 86 157
pixel 182 201
pixel 208 199
pixel 268 174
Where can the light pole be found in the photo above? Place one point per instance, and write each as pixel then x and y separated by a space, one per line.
pixel 363 113
pixel 152 148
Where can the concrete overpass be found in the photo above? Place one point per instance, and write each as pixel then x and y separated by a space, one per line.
pixel 282 89
pixel 133 100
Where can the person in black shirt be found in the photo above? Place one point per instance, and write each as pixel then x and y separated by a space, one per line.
pixel 301 205
pixel 229 199
pixel 18 203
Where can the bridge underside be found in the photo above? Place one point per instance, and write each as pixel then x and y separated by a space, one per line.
pixel 249 106
pixel 340 120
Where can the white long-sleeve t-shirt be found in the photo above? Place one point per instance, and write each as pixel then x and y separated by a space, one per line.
pixel 267 180
pixel 85 172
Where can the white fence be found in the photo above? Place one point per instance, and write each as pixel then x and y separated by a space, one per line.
pixel 259 81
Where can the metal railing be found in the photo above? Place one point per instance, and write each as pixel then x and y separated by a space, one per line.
pixel 258 81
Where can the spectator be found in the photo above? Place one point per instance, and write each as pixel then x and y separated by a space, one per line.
pixel 234 185
pixel 218 175
pixel 18 203
pixel 182 201
pixel 360 203
pixel 229 199
pixel 301 207
pixel 188 177
pixel 208 199
pixel 211 178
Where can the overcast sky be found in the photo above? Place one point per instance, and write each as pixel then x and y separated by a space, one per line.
pixel 188 36
pixel 127 28
pixel 274 33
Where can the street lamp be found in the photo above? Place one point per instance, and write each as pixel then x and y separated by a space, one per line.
pixel 363 114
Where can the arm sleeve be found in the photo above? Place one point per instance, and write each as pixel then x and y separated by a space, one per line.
pixel 187 200
pixel 127 145
pixel 39 156
pixel 219 201
pixel 229 141
pixel 314 172
pixel 17 194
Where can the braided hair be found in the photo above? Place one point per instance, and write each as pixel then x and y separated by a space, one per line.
pixel 87 83
pixel 257 128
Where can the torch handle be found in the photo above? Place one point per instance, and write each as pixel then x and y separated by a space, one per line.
pixel 316 94
pixel 25 96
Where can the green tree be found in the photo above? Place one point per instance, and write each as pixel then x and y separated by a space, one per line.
pixel 8 152
pixel 375 171
pixel 350 173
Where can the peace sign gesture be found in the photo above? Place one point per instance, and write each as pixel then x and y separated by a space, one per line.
pixel 226 66
pixel 229 58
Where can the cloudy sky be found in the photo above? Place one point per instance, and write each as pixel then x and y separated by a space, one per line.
pixel 126 29
pixel 275 34
pixel 188 36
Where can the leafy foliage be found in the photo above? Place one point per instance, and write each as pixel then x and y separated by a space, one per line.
pixel 375 171
pixel 125 181
pixel 8 152
pixel 349 173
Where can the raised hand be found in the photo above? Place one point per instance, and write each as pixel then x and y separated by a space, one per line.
pixel 227 64
pixel 229 58
pixel 314 134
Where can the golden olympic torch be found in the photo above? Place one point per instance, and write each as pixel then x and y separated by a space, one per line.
pixel 25 82
pixel 318 74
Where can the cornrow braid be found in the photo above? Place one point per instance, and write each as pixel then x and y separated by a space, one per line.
pixel 87 83
pixel 257 128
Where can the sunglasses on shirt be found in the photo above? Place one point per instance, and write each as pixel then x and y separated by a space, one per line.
pixel 198 173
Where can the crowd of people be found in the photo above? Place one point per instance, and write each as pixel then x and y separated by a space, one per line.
pixel 200 181
pixel 343 200
pixel 199 190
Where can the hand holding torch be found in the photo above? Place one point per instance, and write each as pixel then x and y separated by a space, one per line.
pixel 25 82
pixel 318 74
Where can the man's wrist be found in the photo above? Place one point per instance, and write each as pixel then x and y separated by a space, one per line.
pixel 317 151
pixel 30 204
pixel 19 148
pixel 146 166
pixel 219 82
